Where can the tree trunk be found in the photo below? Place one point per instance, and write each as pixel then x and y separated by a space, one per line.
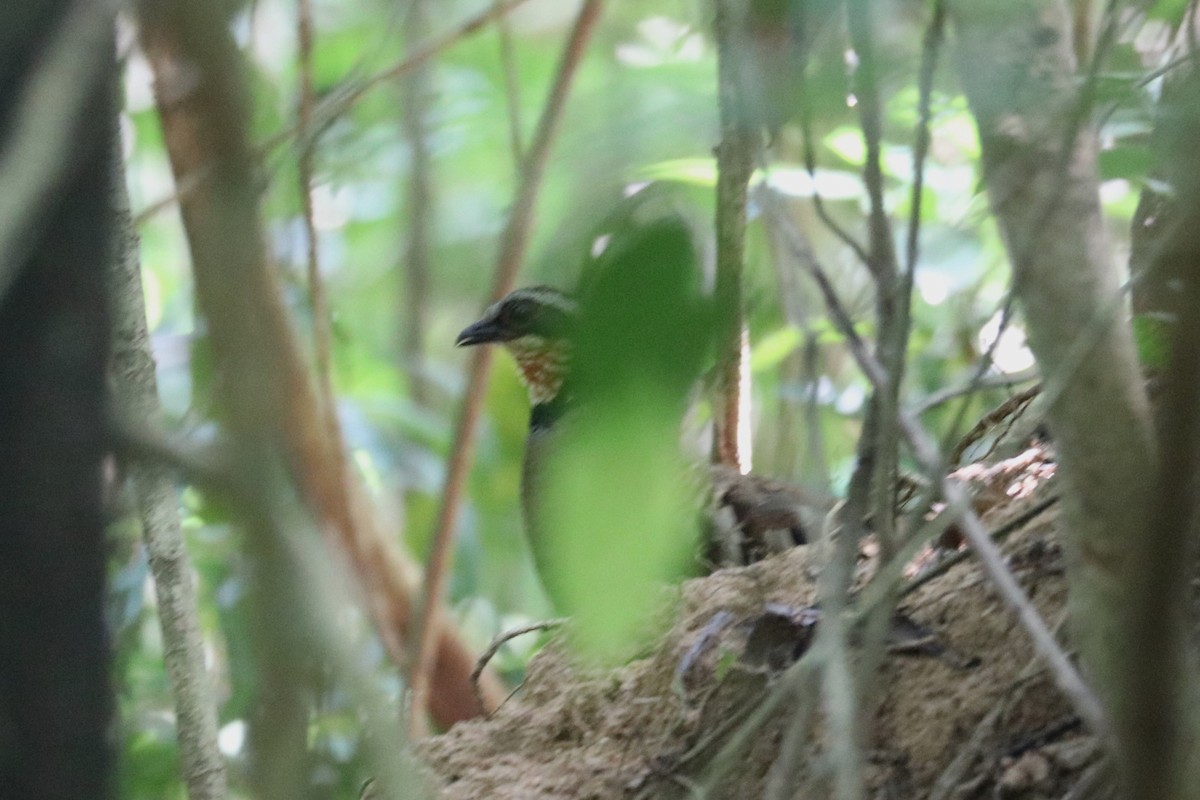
pixel 55 229
pixel 1039 153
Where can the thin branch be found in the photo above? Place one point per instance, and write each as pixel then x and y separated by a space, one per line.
pixel 513 245
pixel 810 164
pixel 930 50
pixel 136 389
pixel 423 54
pixel 949 393
pixel 895 303
pixel 736 156
pixel 881 252
pixel 507 637
pixel 998 535
pixel 892 296
pixel 512 89
pixel 926 453
pixel 326 587
pixel 130 437
pixel 322 333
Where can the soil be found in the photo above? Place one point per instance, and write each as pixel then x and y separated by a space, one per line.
pixel 727 705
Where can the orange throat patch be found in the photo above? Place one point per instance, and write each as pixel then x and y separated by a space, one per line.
pixel 542 363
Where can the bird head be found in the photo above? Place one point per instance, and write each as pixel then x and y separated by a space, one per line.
pixel 534 324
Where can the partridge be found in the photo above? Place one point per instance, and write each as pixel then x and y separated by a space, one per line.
pixel 745 517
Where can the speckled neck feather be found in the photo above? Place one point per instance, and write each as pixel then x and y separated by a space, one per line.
pixel 543 366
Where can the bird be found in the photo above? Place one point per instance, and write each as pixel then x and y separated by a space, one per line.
pixel 745 517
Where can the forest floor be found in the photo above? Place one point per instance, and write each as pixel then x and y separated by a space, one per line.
pixel 965 710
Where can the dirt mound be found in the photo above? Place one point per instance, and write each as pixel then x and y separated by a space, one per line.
pixel 963 711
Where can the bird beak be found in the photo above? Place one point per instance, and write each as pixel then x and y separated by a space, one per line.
pixel 481 332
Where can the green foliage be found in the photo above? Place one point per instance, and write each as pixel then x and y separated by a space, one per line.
pixel 1152 335
pixel 644 109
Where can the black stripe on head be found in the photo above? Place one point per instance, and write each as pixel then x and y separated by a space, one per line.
pixel 534 310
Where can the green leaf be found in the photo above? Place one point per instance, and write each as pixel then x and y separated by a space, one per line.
pixel 1170 10
pixel 774 348
pixel 691 171
pixel 1129 162
pixel 1152 334
pixel 614 515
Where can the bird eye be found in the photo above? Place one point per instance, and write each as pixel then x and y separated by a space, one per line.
pixel 518 312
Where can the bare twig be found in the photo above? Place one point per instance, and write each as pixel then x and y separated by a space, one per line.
pixel 998 535
pixel 132 438
pixel 423 54
pixel 326 587
pixel 942 396
pixel 925 451
pixel 930 51
pixel 881 254
pixel 512 251
pixel 174 583
pixel 879 443
pixel 507 637
pixel 810 164
pixel 322 334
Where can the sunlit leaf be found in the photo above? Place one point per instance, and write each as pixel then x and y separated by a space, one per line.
pixel 773 348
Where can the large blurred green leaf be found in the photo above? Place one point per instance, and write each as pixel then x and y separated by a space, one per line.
pixel 617 514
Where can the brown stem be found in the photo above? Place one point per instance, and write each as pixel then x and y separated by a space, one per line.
pixel 735 163
pixel 322 333
pixel 266 386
